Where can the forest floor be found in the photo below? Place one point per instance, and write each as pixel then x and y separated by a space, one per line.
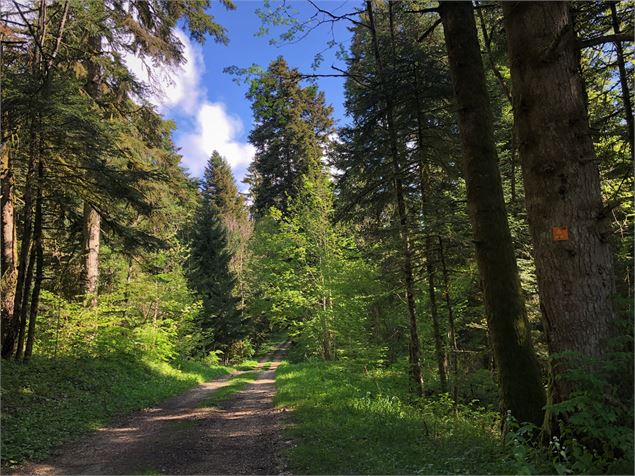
pixel 226 426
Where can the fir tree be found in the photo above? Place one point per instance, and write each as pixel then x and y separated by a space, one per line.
pixel 291 135
pixel 210 261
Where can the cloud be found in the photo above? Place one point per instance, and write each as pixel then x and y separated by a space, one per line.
pixel 202 126
pixel 173 86
pixel 215 129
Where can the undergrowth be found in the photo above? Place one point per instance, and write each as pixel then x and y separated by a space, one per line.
pixel 348 419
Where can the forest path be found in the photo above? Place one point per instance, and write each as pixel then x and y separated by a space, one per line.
pixel 184 436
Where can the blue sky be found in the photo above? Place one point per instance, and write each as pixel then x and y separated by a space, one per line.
pixel 210 108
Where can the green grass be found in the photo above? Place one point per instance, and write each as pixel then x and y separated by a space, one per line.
pixel 348 420
pixel 236 384
pixel 51 401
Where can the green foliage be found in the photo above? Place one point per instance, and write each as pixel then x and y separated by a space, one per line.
pixel 355 419
pixel 594 433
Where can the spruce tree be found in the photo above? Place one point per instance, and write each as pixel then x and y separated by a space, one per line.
pixel 210 259
pixel 291 135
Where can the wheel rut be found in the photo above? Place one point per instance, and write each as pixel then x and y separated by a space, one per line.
pixel 183 436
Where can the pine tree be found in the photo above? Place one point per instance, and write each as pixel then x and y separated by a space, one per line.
pixel 210 259
pixel 291 135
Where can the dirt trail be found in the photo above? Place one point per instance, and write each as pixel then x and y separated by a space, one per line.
pixel 240 436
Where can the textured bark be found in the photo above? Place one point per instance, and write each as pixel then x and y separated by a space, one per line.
pixel 9 272
pixel 562 183
pixel 416 377
pixel 621 64
pixel 520 382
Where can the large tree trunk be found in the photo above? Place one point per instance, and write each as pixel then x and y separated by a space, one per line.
pixel 416 377
pixel 9 272
pixel 520 381
pixel 562 183
pixel 92 219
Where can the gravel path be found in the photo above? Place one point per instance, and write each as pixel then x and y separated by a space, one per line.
pixel 240 436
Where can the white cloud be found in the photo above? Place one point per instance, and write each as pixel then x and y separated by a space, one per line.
pixel 173 86
pixel 215 129
pixel 179 90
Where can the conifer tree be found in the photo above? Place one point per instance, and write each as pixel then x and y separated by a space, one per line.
pixel 210 259
pixel 291 135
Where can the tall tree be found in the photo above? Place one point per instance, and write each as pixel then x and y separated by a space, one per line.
pixel 566 214
pixel 232 210
pixel 521 388
pixel 291 135
pixel 209 265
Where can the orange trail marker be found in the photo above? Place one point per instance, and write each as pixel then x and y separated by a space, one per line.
pixel 560 233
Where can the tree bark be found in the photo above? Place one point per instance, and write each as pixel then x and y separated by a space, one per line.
pixel 520 382
pixel 565 212
pixel 621 64
pixel 416 377
pixel 92 230
pixel 9 273
pixel 92 220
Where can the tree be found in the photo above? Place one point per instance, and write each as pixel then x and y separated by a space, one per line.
pixel 291 135
pixel 209 264
pixel 519 374
pixel 567 217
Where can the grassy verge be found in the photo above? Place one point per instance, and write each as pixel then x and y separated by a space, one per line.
pixel 50 401
pixel 349 420
pixel 236 384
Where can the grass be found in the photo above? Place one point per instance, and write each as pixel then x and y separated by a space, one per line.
pixel 51 401
pixel 236 384
pixel 349 420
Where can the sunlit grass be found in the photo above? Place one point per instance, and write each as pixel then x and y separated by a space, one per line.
pixel 348 420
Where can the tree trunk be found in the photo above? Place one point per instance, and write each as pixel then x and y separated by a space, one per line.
pixel 39 262
pixel 24 309
pixel 454 367
pixel 9 272
pixel 434 314
pixel 423 179
pixel 92 227
pixel 8 345
pixel 520 382
pixel 92 220
pixel 626 94
pixel 416 377
pixel 567 220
